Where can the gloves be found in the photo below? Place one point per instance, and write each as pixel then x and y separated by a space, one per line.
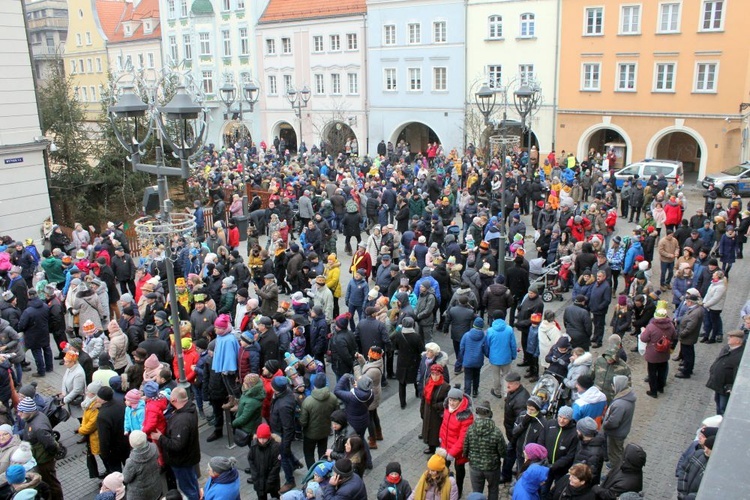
pixel 560 362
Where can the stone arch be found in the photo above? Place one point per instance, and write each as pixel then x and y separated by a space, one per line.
pixel 585 139
pixel 653 145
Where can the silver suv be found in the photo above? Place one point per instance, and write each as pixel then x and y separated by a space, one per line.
pixel 734 180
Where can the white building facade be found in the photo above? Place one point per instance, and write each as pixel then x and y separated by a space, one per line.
pixel 416 65
pixel 328 56
pixel 509 42
pixel 212 41
pixel 24 194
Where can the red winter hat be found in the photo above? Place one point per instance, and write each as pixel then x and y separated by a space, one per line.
pixel 263 432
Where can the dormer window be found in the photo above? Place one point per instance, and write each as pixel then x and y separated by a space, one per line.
pixel 127 29
pixel 147 27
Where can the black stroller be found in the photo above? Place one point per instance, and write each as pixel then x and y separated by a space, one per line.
pixel 57 414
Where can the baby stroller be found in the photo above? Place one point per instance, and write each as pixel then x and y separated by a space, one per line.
pixel 549 390
pixel 548 277
pixel 57 414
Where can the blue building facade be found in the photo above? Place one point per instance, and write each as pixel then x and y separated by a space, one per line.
pixel 416 72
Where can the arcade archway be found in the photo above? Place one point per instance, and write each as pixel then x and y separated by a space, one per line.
pixel 340 138
pixel 235 133
pixel 601 138
pixel 287 137
pixel 417 135
pixel 682 147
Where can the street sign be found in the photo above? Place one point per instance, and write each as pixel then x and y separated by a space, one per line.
pixel 8 161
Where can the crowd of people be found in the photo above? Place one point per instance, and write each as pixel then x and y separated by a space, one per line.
pixel 261 326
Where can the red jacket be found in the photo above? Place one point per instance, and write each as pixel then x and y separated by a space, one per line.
pixel 578 231
pixel 363 262
pixel 266 409
pixel 454 427
pixel 234 237
pixel 190 357
pixel 154 419
pixel 674 214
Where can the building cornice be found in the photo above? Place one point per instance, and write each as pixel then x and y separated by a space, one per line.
pixel 648 114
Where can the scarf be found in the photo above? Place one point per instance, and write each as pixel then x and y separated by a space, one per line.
pixel 226 477
pixel 430 387
pixel 393 479
pixel 420 491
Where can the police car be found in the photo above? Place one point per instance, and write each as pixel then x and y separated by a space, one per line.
pixel 670 169
pixel 734 180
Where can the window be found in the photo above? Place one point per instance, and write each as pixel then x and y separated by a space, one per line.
pixel 389 34
pixel 415 79
pixel 495 76
pixel 98 64
pixel 83 70
pixel 173 54
pixel 226 5
pixel 183 8
pixel 226 43
pixel 705 77
pixel 270 46
pixel 272 85
pixel 244 42
pixel 205 44
pixel 240 4
pixel 626 77
pixel 286 45
pixel 335 43
pixel 73 68
pixel 88 38
pixel 170 9
pixel 140 61
pixel 187 47
pixel 92 90
pixel 526 72
pixel 594 21
pixel 415 33
pixel 630 20
pixel 208 82
pixel 320 86
pixel 287 83
pixel 439 79
pixel 79 40
pixel 147 27
pixel 351 41
pixel 353 79
pixel 150 59
pixel 439 32
pixel 90 65
pixel 127 29
pixel 713 19
pixel 496 27
pixel 664 77
pixel 669 18
pixel 389 75
pixel 335 83
pixel 591 77
pixel 317 43
pixel 119 62
pixel 84 94
pixel 527 26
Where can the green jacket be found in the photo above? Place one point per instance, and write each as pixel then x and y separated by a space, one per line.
pixel 604 371
pixel 53 269
pixel 226 306
pixel 484 445
pixel 416 206
pixel 315 417
pixel 249 410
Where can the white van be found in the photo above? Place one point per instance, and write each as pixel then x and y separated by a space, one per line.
pixel 644 169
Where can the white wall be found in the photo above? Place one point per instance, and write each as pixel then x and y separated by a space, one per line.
pixel 24 199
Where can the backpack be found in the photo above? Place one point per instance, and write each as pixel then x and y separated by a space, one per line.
pixel 663 344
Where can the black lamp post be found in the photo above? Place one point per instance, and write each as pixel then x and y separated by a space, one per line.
pixel 298 100
pixel 228 95
pixel 526 100
pixel 188 122
pixel 485 101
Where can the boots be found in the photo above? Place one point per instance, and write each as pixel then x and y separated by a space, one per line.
pixel 229 404
pixel 217 434
pixel 372 443
pixel 201 414
pixel 378 433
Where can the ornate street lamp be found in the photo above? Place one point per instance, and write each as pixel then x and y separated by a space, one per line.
pixel 485 101
pixel 298 100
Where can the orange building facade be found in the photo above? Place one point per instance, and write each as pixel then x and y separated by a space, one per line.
pixel 656 79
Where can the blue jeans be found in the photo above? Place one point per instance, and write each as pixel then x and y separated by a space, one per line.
pixel 43 359
pixel 667 269
pixel 471 380
pixel 713 326
pixel 187 481
pixel 19 373
pixel 721 402
pixel 287 465
pixel 352 310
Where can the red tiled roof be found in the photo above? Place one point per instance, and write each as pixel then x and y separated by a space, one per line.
pixel 292 10
pixel 113 13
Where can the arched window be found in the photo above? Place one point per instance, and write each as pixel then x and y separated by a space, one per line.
pixel 527 25
pixel 495 27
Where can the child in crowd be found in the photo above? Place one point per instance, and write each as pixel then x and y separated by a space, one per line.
pixel 135 409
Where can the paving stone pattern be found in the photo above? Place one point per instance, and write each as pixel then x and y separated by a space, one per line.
pixel 663 426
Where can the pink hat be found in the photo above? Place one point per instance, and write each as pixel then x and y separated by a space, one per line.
pixel 113 326
pixel 223 322
pixel 133 396
pixel 152 362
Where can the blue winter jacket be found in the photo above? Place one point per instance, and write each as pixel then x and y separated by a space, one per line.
pixel 432 281
pixel 227 489
pixel 472 348
pixel 356 292
pixel 528 486
pixel 600 295
pixel 356 403
pixel 634 251
pixel 226 353
pixel 728 249
pixel 500 343
pixel 707 235
pixel 532 343
pixel 134 417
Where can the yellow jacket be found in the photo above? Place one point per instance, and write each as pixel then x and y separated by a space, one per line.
pixel 333 275
pixel 88 426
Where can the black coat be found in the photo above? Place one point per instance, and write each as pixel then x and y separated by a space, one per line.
pixel 21 292
pixel 265 466
pixel 592 454
pixel 269 346
pixel 460 320
pixel 180 444
pixel 350 224
pixel 283 407
pixel 155 345
pixel 517 281
pixel 515 404
pixel 578 325
pixel 432 414
pixel 113 443
pixel 562 445
pixel 410 347
pixel 628 477
pixel 343 347
pixel 10 313
pixel 528 307
pixel 724 369
pixel 214 388
pixel 34 324
pixel 371 332
pixel 56 317
pixel 497 297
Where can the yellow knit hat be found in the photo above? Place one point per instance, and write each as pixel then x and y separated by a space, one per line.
pixel 436 462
